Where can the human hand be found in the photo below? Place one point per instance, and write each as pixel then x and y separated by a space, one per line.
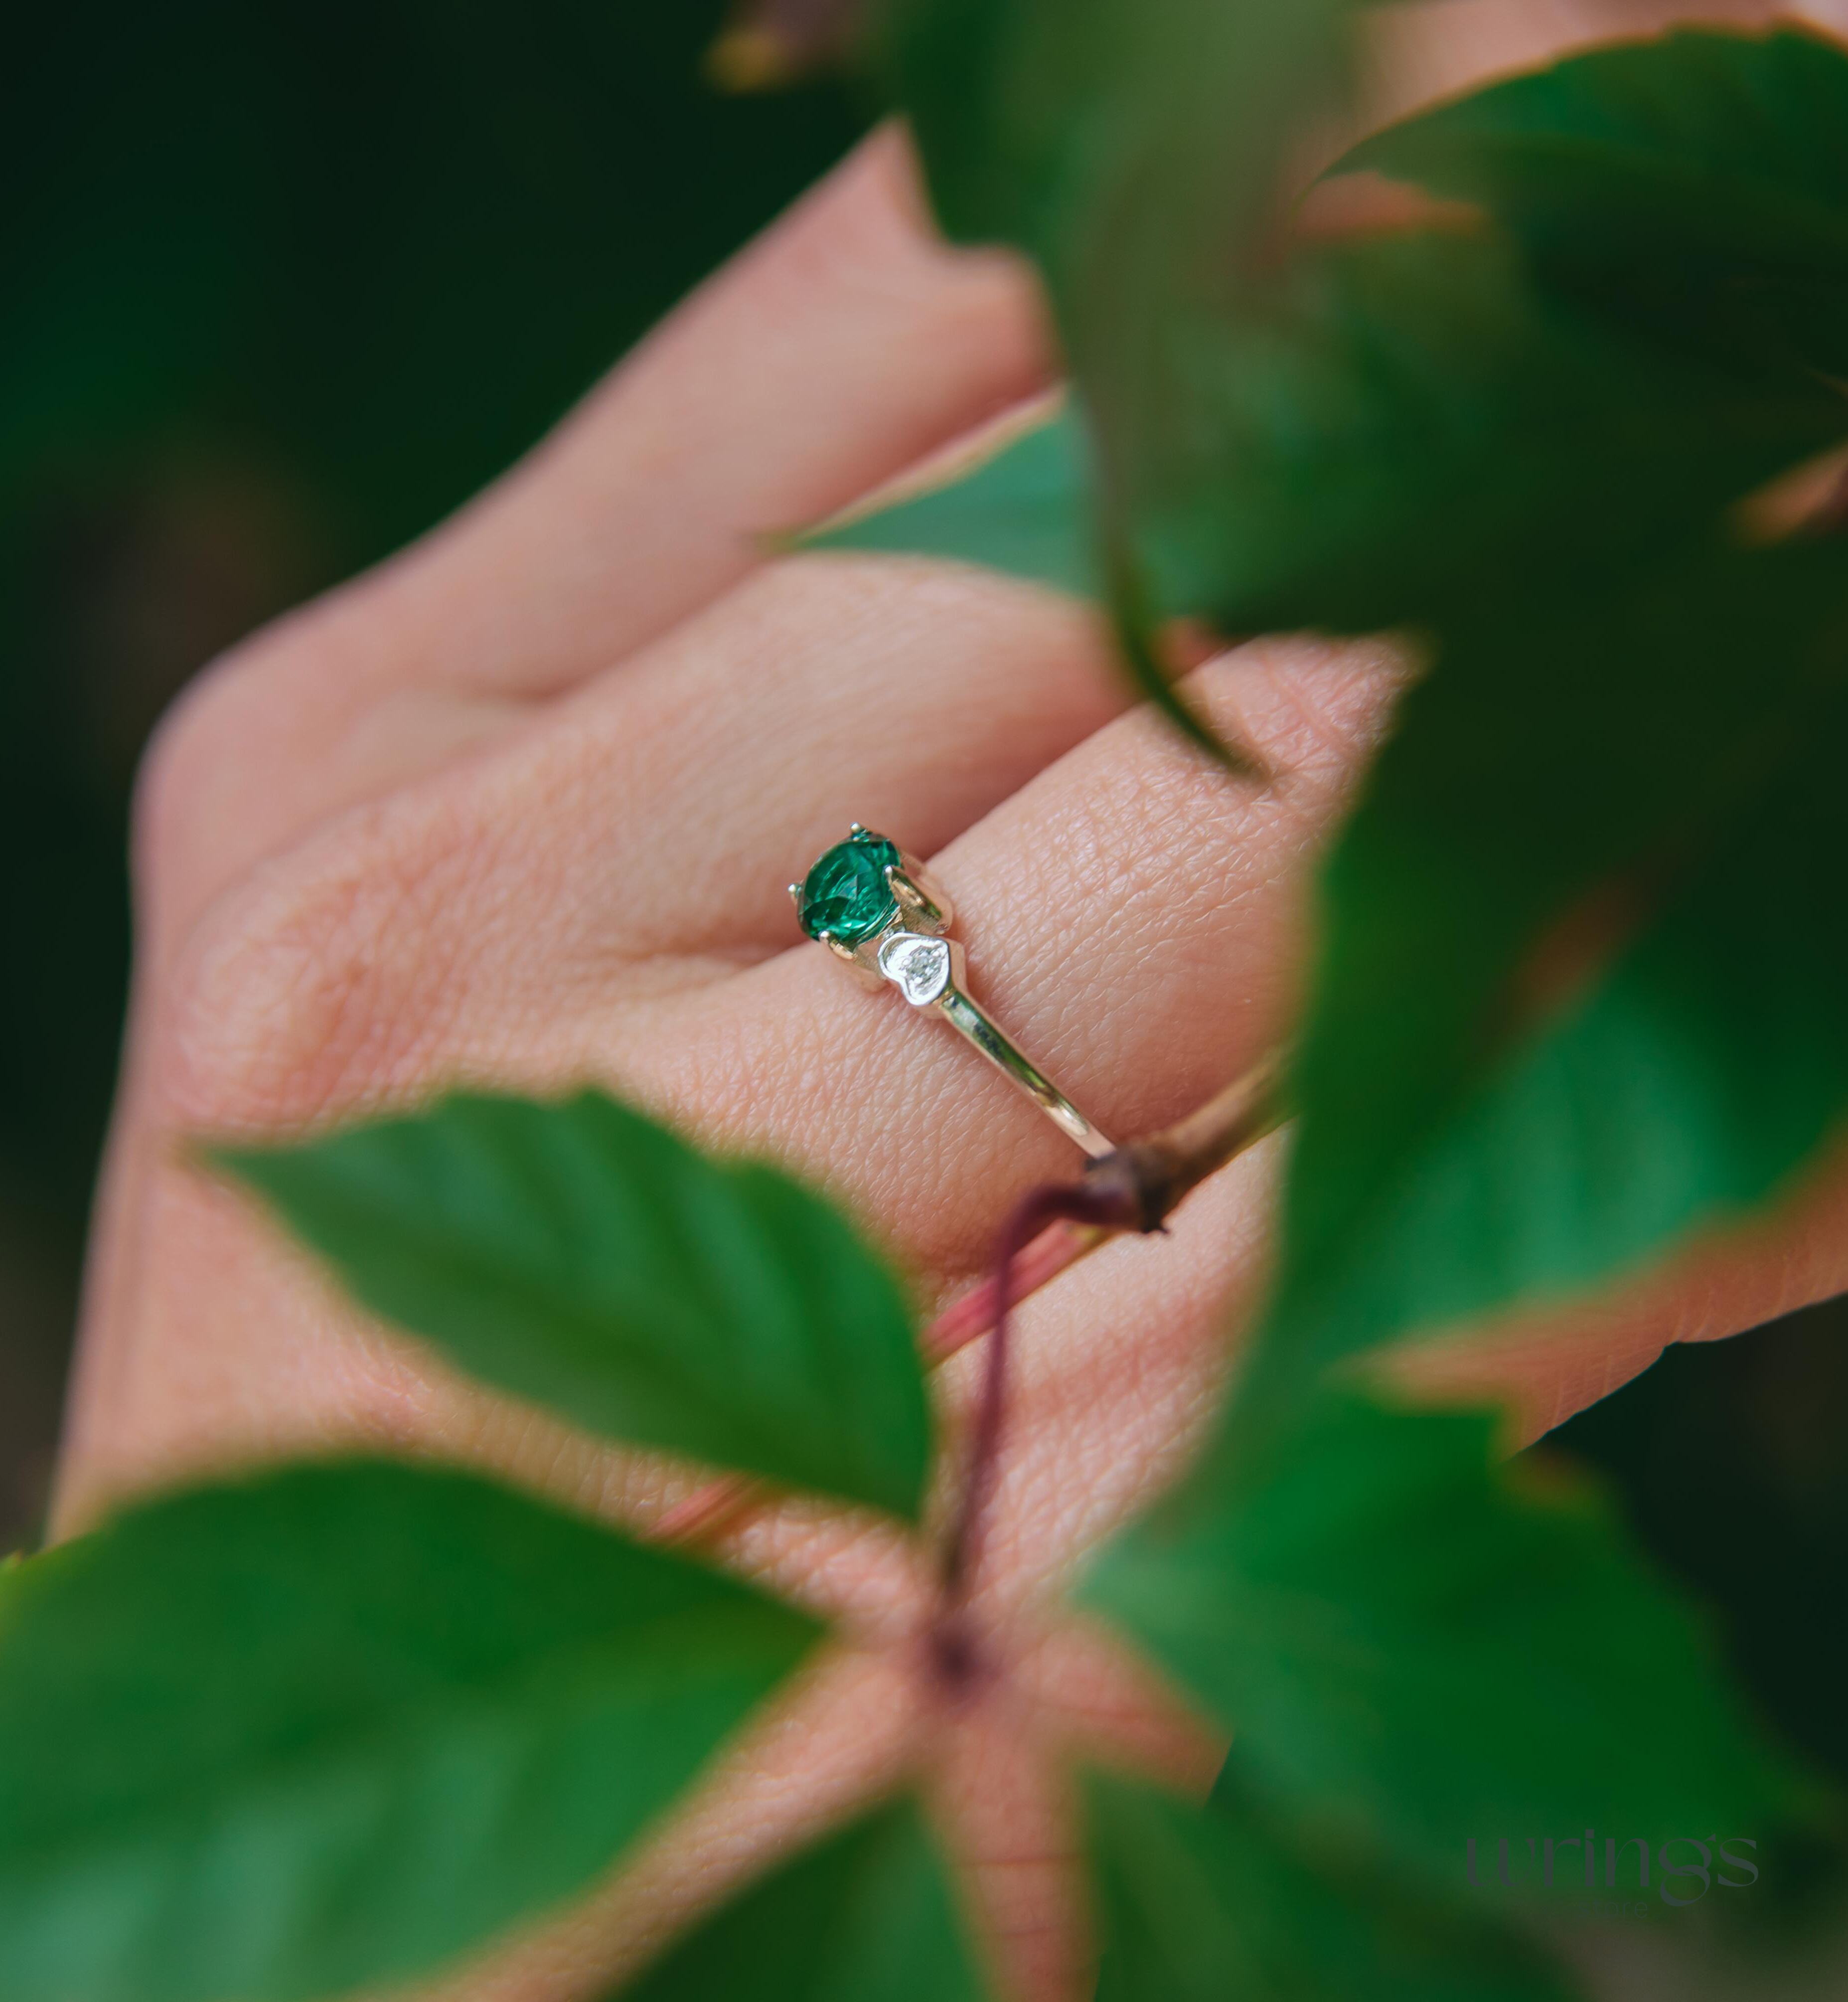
pixel 520 808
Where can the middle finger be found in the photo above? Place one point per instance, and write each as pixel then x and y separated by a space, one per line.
pixel 1131 911
pixel 1133 917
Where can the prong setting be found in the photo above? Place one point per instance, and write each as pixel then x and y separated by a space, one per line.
pixel 913 902
pixel 890 923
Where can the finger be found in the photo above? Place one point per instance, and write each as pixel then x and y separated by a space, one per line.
pixel 910 697
pixel 844 345
pixel 836 352
pixel 1131 915
pixel 1133 919
pixel 638 837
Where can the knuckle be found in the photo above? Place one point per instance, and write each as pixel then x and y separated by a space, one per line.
pixel 222 731
pixel 321 983
pixel 188 744
pixel 1324 707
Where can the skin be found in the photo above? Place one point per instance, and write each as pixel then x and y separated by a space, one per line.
pixel 520 808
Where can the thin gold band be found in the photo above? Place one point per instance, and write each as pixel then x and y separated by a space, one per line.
pixel 911 951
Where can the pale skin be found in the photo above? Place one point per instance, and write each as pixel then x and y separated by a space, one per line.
pixel 520 808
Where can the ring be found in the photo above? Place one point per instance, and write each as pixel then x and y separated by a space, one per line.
pixel 873 907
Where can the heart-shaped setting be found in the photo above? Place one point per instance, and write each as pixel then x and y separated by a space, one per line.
pixel 917 966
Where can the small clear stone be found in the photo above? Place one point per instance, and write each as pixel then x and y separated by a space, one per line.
pixel 917 966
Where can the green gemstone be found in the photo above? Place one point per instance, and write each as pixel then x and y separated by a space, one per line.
pixel 845 895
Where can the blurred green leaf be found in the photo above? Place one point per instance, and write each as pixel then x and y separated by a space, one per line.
pixel 1684 1088
pixel 1407 430
pixel 580 1255
pixel 1701 179
pixel 1205 1904
pixel 1063 126
pixel 1423 430
pixel 1411 431
pixel 1595 709
pixel 1344 438
pixel 867 1916
pixel 1685 730
pixel 1412 1647
pixel 1025 510
pixel 1136 153
pixel 323 1729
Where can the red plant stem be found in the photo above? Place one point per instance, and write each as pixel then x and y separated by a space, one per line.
pixel 1150 1178
pixel 1059 1246
pixel 706 1511
pixel 1097 1210
pixel 1135 1189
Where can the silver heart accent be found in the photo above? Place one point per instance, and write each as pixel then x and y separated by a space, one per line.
pixel 918 967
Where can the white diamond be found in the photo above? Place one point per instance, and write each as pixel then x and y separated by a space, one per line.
pixel 917 966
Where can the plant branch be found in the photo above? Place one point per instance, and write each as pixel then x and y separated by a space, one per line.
pixel 1137 1188
pixel 1145 1183
pixel 1072 1203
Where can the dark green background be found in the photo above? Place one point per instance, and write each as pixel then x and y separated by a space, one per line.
pixel 279 286
pixel 283 285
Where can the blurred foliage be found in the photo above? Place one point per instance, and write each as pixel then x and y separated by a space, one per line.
pixel 1666 257
pixel 279 286
pixel 299 1735
pixel 1728 1459
pixel 1522 438
pixel 868 1914
pixel 1201 1904
pixel 1418 1644
pixel 301 285
pixel 1523 434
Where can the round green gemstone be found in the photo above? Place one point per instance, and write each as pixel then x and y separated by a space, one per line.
pixel 845 895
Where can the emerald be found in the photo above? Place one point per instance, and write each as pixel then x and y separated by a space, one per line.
pixel 845 895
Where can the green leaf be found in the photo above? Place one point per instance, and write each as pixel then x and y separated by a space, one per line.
pixel 1413 1648
pixel 1135 153
pixel 1351 440
pixel 867 1916
pixel 1417 430
pixel 1063 126
pixel 1025 510
pixel 1410 429
pixel 1204 1905
pixel 1702 176
pixel 1682 1090
pixel 581 1256
pixel 323 1729
pixel 1682 730
pixel 1401 429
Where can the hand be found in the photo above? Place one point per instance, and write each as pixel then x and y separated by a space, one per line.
pixel 520 807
